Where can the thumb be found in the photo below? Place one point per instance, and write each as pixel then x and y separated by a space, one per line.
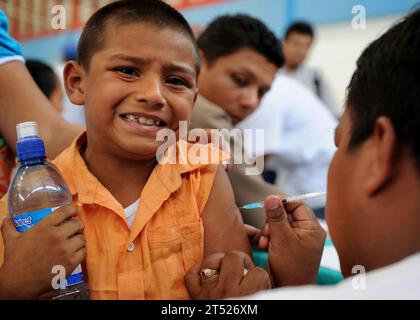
pixel 276 217
pixel 193 281
pixel 8 230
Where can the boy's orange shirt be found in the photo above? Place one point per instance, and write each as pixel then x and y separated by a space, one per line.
pixel 150 260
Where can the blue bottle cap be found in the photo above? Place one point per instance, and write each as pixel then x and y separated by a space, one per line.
pixel 30 148
pixel 30 145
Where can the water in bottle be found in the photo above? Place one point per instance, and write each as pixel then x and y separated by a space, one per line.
pixel 36 191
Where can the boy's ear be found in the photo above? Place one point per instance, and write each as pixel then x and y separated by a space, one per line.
pixel 382 148
pixel 195 96
pixel 73 82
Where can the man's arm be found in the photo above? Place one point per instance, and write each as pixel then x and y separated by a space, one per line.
pixel 223 226
pixel 21 100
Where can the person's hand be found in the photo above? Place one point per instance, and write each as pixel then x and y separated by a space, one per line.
pixel 235 275
pixel 295 241
pixel 29 257
pixel 258 238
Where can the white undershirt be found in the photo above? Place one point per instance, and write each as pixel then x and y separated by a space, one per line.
pixel 131 212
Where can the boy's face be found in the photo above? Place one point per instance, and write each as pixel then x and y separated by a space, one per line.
pixel 296 48
pixel 237 82
pixel 142 80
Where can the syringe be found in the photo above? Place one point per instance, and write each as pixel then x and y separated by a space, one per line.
pixel 297 198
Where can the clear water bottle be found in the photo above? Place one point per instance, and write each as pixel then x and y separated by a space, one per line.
pixel 36 191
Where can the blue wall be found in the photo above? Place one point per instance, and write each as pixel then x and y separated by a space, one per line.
pixel 277 14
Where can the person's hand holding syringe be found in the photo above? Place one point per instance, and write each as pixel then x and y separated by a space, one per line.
pixel 292 235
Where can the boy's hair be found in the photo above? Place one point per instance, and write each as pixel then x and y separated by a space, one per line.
pixel 387 83
pixel 153 12
pixel 230 33
pixel 43 75
pixel 301 27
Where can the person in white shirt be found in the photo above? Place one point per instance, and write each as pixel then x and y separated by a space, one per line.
pixel 373 207
pixel 296 45
pixel 298 137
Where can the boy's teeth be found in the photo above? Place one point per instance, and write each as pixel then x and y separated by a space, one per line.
pixel 142 120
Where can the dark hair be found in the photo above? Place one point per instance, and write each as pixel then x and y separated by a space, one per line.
pixel 300 27
pixel 154 12
pixel 230 33
pixel 387 83
pixel 43 75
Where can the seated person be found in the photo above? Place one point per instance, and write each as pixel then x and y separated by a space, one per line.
pixel 146 223
pixel 298 138
pixel 240 57
pixel 298 40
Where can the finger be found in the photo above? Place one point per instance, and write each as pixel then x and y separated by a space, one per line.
pixel 308 225
pixel 213 262
pixel 76 243
pixel 70 228
pixel 8 230
pixel 78 257
pixel 193 281
pixel 251 231
pixel 292 206
pixel 263 243
pixel 303 212
pixel 60 215
pixel 232 268
pixel 256 279
pixel 266 230
pixel 253 234
pixel 277 219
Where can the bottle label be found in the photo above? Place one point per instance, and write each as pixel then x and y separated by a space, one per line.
pixel 76 277
pixel 26 221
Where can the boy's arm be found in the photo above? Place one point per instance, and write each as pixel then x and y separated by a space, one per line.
pixel 21 100
pixel 223 227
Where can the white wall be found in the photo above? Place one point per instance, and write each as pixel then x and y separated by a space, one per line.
pixel 338 46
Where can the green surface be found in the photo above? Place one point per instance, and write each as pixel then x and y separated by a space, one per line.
pixel 326 276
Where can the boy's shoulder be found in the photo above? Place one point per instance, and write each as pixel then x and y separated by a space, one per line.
pixel 66 157
pixel 192 156
pixel 69 162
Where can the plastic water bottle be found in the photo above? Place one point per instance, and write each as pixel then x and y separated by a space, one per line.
pixel 35 192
